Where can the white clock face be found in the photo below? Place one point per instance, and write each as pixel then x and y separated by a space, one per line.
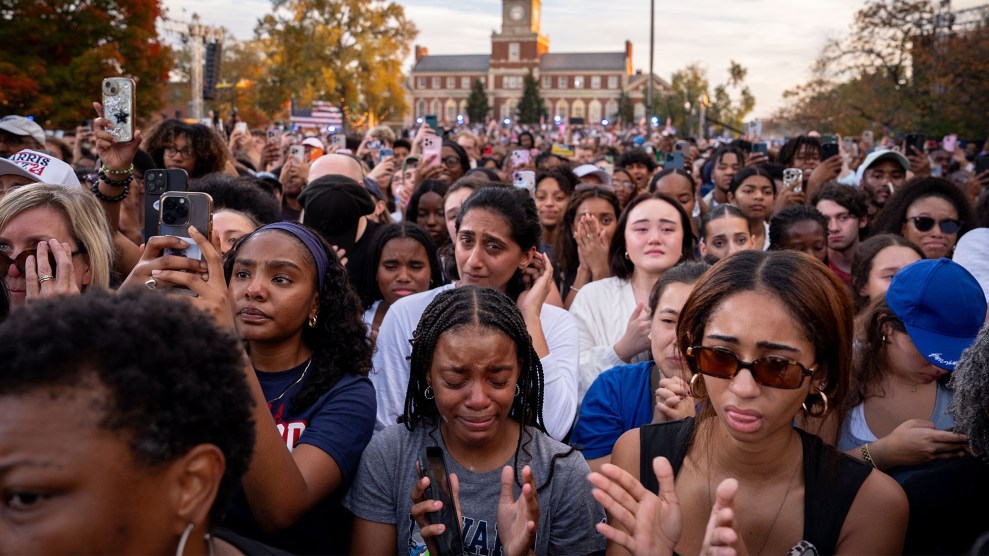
pixel 517 12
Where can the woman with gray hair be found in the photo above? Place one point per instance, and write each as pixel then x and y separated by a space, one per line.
pixel 964 482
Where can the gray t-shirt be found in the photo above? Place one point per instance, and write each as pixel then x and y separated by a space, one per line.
pixel 382 490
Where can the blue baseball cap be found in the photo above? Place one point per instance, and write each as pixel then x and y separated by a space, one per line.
pixel 942 307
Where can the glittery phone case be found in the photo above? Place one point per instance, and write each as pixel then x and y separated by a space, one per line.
pixel 118 107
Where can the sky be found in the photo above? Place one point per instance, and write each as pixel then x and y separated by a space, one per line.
pixel 776 40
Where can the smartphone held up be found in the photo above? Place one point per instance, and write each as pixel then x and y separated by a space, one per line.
pixel 118 107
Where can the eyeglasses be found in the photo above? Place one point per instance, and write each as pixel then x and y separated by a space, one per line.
pixel 622 184
pixel 774 372
pixel 926 224
pixel 20 261
pixel 451 161
pixel 170 150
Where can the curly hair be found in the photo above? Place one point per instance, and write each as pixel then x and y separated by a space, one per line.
pixel 621 266
pixel 890 220
pixel 171 378
pixel 823 310
pixel 211 152
pixel 789 216
pixel 970 383
pixel 488 308
pixel 790 149
pixel 637 156
pixel 405 230
pixel 567 259
pixel 242 194
pixel 339 340
pixel 864 257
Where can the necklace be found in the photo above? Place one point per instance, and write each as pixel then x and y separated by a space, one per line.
pixel 779 510
pixel 290 386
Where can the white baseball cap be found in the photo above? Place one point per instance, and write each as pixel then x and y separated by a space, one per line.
pixel 39 167
pixel 876 156
pixel 19 125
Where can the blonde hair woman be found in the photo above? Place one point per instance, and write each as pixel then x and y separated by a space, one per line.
pixel 53 240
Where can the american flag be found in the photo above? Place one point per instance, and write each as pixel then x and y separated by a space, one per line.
pixel 319 114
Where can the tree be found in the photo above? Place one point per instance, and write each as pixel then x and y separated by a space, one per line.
pixel 477 103
pixel 57 53
pixel 625 110
pixel 531 107
pixel 728 104
pixel 343 51
pixel 900 70
pixel 244 66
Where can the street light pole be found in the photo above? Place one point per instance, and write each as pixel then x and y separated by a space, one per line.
pixel 652 44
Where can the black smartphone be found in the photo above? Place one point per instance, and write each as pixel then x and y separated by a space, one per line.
pixel 181 210
pixel 915 140
pixel 156 183
pixel 673 161
pixel 981 163
pixel 432 465
pixel 761 148
pixel 829 147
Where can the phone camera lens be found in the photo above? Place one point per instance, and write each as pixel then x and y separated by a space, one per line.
pixel 168 218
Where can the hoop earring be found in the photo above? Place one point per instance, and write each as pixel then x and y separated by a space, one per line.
pixel 821 413
pixel 694 389
pixel 428 393
pixel 518 391
pixel 184 539
pixel 312 321
pixel 626 255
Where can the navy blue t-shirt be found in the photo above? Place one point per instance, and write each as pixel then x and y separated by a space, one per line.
pixel 340 423
pixel 618 400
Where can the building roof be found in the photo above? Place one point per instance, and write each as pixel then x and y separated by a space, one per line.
pixel 453 62
pixel 583 61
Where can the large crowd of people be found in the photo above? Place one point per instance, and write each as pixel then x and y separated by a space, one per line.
pixel 658 345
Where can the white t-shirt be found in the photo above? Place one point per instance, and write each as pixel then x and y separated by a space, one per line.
pixel 391 366
pixel 602 309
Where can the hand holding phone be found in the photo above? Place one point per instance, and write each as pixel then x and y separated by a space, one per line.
pixel 118 107
pixel 520 157
pixel 432 147
pixel 431 465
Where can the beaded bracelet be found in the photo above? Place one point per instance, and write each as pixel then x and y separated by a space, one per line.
pixel 106 170
pixel 116 183
pixel 96 191
pixel 867 456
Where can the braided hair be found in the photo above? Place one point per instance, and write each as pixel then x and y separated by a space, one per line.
pixel 488 308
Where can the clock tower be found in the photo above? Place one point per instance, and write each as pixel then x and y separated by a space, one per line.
pixel 519 42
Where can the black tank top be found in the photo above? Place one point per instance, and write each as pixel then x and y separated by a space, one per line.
pixel 831 479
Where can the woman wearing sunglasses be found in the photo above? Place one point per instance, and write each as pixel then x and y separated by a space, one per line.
pixel 745 479
pixel 54 240
pixel 931 212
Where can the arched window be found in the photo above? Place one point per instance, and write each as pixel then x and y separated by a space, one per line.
pixel 594 111
pixel 578 109
pixel 562 110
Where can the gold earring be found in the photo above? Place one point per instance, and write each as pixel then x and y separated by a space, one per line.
pixel 312 321
pixel 694 389
pixel 822 412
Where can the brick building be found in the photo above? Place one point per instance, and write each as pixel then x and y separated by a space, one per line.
pixel 584 85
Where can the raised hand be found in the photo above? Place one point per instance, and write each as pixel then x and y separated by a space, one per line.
pixel 638 520
pixel 636 337
pixel 673 400
pixel 116 156
pixel 422 506
pixel 41 280
pixel 721 535
pixel 517 518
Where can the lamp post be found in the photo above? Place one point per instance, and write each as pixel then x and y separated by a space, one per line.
pixel 652 28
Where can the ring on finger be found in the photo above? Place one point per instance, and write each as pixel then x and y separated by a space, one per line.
pixel 45 278
pixel 151 284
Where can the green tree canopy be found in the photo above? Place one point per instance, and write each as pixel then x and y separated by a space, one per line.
pixel 728 104
pixel 57 52
pixel 531 108
pixel 343 51
pixel 477 103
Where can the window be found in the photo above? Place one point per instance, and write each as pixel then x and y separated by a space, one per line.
pixel 451 82
pixel 612 81
pixel 513 52
pixel 483 81
pixel 512 82
pixel 465 82
pixel 563 82
pixel 578 83
pixel 547 82
pixel 420 108
pixel 420 82
pixel 596 82
pixel 577 110
pixel 436 83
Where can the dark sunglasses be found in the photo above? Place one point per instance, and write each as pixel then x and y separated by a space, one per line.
pixel 774 372
pixel 926 223
pixel 20 261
